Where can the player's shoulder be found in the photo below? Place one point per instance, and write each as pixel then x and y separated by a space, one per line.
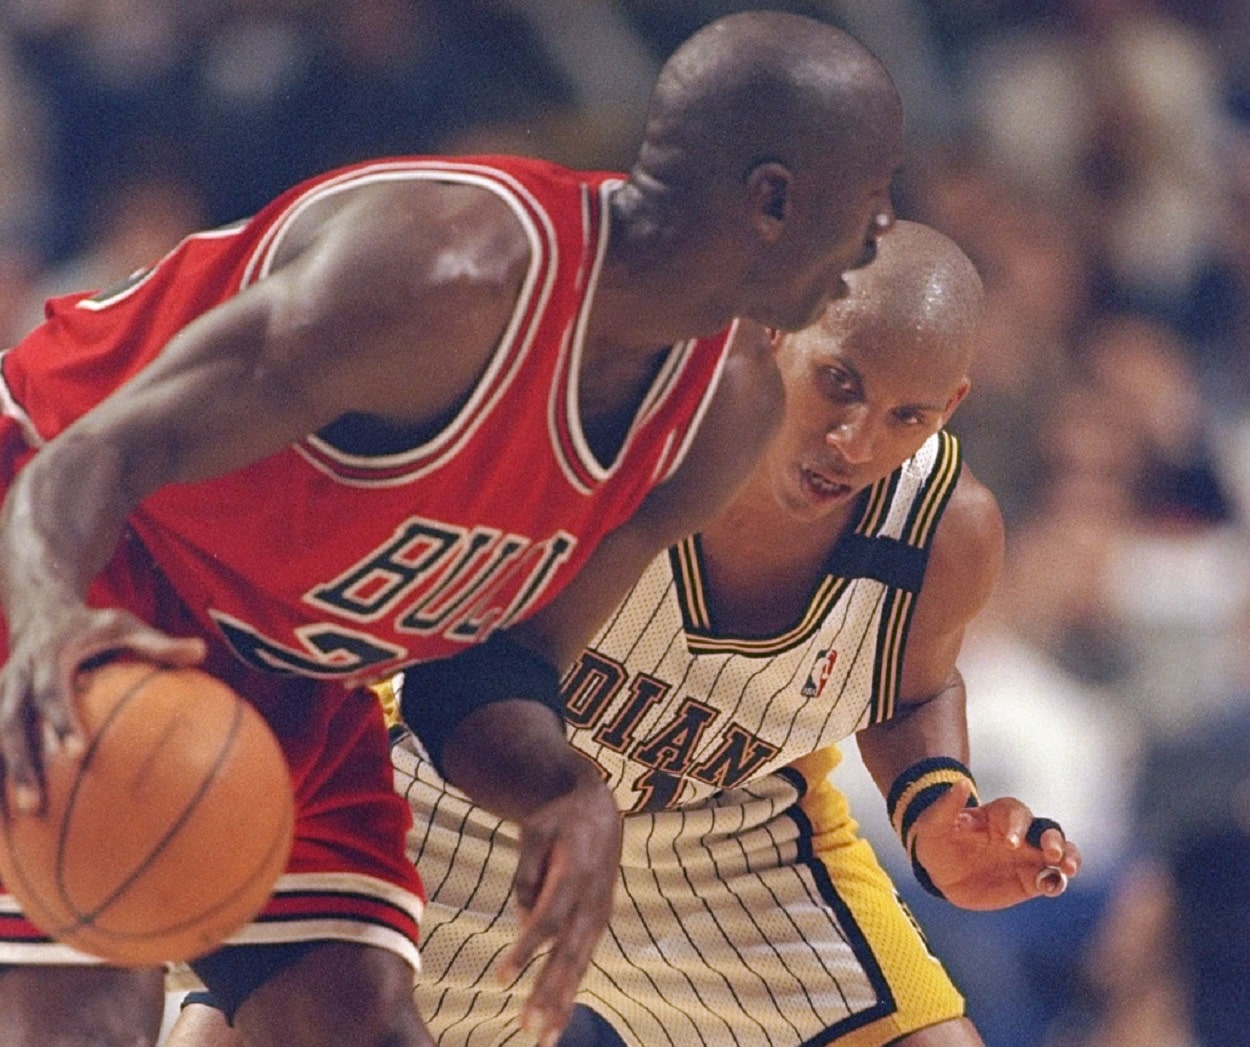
pixel 971 526
pixel 748 401
pixel 408 247
pixel 967 549
pixel 742 414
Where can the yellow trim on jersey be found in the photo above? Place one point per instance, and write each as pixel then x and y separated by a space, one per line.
pixel 879 497
pixel 919 533
pixel 890 655
pixel 941 483
pixel 692 597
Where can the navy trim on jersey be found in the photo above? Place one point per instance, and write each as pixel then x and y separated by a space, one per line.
pixel 885 560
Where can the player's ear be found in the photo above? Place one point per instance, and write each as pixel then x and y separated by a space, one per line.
pixel 768 198
pixel 956 399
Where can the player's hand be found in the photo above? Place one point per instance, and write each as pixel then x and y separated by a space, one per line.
pixel 982 857
pixel 48 646
pixel 567 872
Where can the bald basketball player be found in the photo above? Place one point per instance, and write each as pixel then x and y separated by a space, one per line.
pixel 433 414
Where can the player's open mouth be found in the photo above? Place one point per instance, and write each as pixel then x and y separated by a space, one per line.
pixel 822 486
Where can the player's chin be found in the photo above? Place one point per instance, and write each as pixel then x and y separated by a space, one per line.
pixel 803 313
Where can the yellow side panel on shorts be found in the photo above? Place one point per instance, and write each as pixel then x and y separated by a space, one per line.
pixel 923 992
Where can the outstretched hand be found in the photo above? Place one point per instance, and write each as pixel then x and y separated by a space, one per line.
pixel 981 857
pixel 565 879
pixel 37 684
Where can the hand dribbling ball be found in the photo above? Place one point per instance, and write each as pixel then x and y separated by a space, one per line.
pixel 167 833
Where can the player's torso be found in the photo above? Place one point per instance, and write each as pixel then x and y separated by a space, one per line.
pixel 674 711
pixel 370 559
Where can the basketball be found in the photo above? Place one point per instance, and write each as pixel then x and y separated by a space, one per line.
pixel 167 833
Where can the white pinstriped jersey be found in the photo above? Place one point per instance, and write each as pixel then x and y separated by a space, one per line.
pixel 748 913
pixel 673 710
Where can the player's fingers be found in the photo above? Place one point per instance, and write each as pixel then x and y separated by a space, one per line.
pixel 35 710
pixel 1038 826
pixel 550 1003
pixel 179 652
pixel 550 918
pixel 531 869
pixel 1047 836
pixel 19 760
pixel 547 1010
pixel 544 901
pixel 1051 881
pixel 1071 860
pixel 1006 819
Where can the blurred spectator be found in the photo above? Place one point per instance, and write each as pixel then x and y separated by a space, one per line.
pixel 355 79
pixel 138 221
pixel 1169 962
pixel 1176 582
pixel 1115 111
pixel 113 76
pixel 257 94
pixel 1037 283
pixel 1216 319
pixel 24 135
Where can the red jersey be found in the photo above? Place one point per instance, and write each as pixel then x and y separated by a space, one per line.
pixel 332 563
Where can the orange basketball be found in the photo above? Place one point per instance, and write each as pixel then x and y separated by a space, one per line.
pixel 169 831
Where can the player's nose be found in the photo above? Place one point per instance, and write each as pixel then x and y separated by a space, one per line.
pixel 851 435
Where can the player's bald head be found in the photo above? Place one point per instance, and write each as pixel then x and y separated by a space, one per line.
pixel 766 86
pixel 920 294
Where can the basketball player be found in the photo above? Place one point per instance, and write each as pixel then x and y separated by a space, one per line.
pixel 829 599
pixel 386 422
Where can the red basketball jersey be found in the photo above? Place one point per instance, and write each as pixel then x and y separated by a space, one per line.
pixel 345 565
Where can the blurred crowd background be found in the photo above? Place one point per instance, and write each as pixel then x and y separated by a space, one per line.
pixel 1091 156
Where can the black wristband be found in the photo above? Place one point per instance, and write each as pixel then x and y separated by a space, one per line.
pixel 920 786
pixel 922 876
pixel 913 792
pixel 1038 826
pixel 438 696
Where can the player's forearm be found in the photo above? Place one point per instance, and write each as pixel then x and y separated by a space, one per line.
pixel 512 758
pixel 935 727
pixel 61 522
pixel 491 720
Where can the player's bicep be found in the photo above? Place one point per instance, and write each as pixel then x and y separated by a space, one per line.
pixel 964 562
pixel 354 319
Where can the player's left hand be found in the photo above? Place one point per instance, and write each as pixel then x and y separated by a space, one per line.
pixel 985 857
pixel 565 879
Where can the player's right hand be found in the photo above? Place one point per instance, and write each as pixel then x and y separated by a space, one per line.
pixel 565 880
pixel 37 683
pixel 982 858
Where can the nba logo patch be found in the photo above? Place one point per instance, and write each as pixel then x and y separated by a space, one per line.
pixel 820 673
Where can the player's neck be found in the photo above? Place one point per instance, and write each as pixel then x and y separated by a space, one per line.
pixel 662 281
pixel 609 396
pixel 762 565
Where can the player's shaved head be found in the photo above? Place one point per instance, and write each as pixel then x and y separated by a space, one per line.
pixel 921 294
pixel 767 86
